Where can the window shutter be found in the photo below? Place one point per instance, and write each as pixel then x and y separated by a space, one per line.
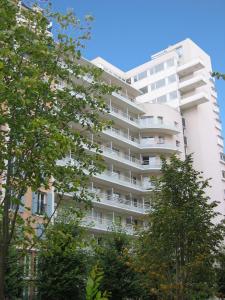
pixel 34 202
pixel 21 207
pixel 49 204
pixel 39 230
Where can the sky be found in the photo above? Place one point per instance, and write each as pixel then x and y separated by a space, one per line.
pixel 127 32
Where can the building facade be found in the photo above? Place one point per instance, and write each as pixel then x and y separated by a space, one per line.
pixel 165 106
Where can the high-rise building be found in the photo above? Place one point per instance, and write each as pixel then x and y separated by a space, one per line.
pixel 166 106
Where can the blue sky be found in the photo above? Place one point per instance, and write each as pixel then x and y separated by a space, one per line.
pixel 128 32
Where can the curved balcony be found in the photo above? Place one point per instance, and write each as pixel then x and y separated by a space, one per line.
pixel 130 160
pixel 144 124
pixel 140 144
pixel 103 224
pixel 125 181
pixel 119 203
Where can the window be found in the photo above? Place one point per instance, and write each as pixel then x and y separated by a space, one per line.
pixel 178 143
pixel 147 120
pixel 135 202
pixel 129 221
pixel 146 140
pixel 160 120
pixel 145 160
pixel 170 63
pixel 142 75
pixel 161 99
pixel 116 150
pixel 135 78
pixel 159 68
pixel 185 141
pixel 161 140
pixel 128 81
pixel 134 179
pixel 173 95
pixel 179 51
pixel 171 78
pixel 175 124
pixel 222 156
pixel 223 174
pixel 160 83
pixel 144 90
pixel 41 203
pixel 183 123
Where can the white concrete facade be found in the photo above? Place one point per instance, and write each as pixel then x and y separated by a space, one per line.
pixel 165 106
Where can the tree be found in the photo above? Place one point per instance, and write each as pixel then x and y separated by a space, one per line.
pixel 177 252
pixel 218 75
pixel 220 267
pixel 64 262
pixel 43 95
pixel 93 283
pixel 115 256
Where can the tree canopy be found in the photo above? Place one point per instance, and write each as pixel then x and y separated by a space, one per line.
pixel 46 93
pixel 178 250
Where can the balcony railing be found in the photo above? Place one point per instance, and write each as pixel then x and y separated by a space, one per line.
pixel 143 123
pixel 139 143
pixel 121 202
pixel 106 224
pixel 128 159
pixel 125 180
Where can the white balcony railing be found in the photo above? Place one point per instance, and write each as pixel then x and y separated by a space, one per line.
pixel 125 180
pixel 121 202
pixel 128 159
pixel 143 123
pixel 106 224
pixel 139 143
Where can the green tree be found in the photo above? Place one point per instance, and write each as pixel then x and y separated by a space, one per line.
pixel 93 285
pixel 64 262
pixel 115 256
pixel 14 275
pixel 43 95
pixel 218 75
pixel 177 252
pixel 220 267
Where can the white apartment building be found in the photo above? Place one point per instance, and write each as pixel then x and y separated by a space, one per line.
pixel 166 106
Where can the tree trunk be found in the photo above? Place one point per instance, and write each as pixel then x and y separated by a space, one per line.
pixel 2 272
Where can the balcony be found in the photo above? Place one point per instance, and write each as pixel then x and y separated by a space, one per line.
pixel 130 101
pixel 122 136
pixel 157 126
pixel 118 203
pixel 130 183
pixel 160 147
pixel 141 144
pixel 144 124
pixel 191 83
pixel 130 160
pixel 192 100
pixel 103 224
pixel 190 67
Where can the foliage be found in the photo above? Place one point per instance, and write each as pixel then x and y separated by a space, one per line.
pixel 218 75
pixel 64 262
pixel 177 251
pixel 44 98
pixel 14 282
pixel 221 274
pixel 93 284
pixel 115 256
